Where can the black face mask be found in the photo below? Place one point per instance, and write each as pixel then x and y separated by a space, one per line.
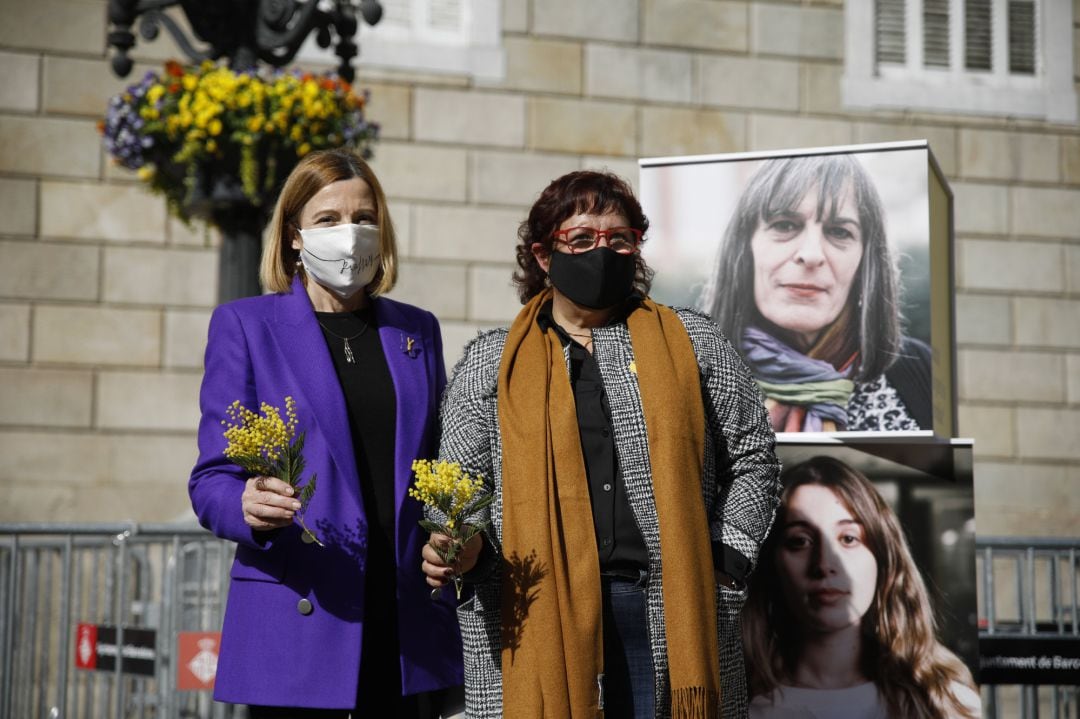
pixel 596 279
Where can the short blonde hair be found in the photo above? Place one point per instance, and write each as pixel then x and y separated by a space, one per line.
pixel 280 261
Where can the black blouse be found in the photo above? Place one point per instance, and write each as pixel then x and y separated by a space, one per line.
pixel 372 407
pixel 618 540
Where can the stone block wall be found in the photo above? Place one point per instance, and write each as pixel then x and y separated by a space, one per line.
pixel 104 299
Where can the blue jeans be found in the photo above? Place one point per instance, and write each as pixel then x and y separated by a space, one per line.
pixel 628 666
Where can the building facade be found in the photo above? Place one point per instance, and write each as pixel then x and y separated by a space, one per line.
pixel 105 299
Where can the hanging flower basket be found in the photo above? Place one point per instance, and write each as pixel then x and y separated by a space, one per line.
pixel 208 137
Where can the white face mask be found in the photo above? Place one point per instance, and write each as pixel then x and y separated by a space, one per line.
pixel 342 258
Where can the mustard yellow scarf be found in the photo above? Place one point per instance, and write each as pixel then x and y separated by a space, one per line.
pixel 552 644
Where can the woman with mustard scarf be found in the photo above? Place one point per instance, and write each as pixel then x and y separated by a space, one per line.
pixel 634 479
pixel 805 286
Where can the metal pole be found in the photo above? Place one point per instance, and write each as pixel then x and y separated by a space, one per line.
pixel 988 588
pixel 1032 694
pixel 119 602
pixel 1029 555
pixel 102 562
pixel 992 702
pixel 6 681
pixel 241 225
pixel 46 557
pixel 29 616
pixel 1073 574
pixel 64 652
pixel 141 592
pixel 220 594
pixel 170 627
pixel 1057 611
pixel 1022 620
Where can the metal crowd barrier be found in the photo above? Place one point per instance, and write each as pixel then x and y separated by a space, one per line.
pixel 144 581
pixel 167 579
pixel 1030 595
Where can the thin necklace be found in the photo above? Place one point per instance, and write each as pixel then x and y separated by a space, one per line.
pixel 585 336
pixel 348 350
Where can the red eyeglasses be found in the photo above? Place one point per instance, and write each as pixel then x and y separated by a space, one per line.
pixel 623 240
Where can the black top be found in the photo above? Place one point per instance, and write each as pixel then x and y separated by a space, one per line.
pixel 618 540
pixel 910 375
pixel 372 406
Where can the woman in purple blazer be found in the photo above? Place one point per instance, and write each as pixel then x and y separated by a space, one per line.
pixel 349 626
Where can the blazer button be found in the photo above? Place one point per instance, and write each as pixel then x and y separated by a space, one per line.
pixel 304 607
pixel 305 537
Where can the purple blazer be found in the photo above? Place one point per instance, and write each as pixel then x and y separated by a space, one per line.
pixel 295 616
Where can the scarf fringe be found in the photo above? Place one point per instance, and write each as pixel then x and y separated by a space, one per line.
pixel 694 703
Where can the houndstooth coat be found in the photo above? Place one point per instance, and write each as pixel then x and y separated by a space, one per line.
pixel 740 487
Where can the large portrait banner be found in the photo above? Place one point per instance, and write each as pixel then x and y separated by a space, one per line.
pixel 829 270
pixel 863 601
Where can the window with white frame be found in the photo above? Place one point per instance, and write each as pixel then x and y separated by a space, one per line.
pixel 441 36
pixel 1002 57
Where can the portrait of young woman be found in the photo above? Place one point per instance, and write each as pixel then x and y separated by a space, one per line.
pixel 839 622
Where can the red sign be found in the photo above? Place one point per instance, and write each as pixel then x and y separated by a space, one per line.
pixel 86 646
pixel 198 658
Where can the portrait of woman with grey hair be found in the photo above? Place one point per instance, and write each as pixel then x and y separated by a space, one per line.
pixel 806 288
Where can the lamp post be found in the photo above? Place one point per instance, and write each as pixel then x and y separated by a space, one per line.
pixel 246 32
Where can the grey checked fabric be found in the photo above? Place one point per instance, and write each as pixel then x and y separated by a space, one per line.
pixel 740 488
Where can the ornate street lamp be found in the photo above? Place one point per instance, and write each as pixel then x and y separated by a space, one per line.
pixel 245 32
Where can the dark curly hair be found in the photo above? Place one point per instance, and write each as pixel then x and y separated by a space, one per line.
pixel 580 192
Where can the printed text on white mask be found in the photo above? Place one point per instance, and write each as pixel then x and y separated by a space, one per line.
pixel 343 258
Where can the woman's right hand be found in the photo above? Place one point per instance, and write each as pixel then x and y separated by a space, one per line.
pixel 438 573
pixel 268 503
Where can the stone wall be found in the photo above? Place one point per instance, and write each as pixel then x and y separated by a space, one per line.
pixel 104 299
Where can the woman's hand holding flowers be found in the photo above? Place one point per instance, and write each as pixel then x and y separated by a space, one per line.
pixel 437 571
pixel 269 447
pixel 458 505
pixel 268 503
